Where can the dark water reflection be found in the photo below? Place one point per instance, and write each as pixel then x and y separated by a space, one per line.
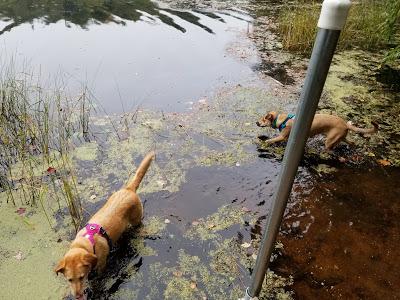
pixel 127 52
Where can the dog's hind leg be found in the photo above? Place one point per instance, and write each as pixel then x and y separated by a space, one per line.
pixel 333 139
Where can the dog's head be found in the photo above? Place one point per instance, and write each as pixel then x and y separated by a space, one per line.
pixel 75 266
pixel 267 119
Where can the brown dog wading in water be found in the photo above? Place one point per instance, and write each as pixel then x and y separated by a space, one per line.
pixel 333 127
pixel 91 246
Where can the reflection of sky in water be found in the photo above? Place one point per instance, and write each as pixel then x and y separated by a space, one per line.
pixel 147 61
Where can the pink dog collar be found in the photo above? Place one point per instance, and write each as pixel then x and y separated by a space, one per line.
pixel 91 230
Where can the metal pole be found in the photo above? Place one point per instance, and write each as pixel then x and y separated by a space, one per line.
pixel 332 19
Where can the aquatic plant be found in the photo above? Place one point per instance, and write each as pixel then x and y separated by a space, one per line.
pixel 37 133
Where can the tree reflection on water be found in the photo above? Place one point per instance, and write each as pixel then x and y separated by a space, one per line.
pixel 86 12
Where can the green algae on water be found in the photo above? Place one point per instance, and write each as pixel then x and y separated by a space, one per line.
pixel 86 152
pixel 208 228
pixel 29 250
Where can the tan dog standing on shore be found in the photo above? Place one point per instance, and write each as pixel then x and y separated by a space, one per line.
pixel 92 244
pixel 333 127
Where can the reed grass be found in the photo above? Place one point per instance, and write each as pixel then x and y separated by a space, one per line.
pixel 38 130
pixel 367 26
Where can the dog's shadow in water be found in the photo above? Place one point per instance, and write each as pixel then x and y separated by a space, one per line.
pixel 119 261
pixel 310 158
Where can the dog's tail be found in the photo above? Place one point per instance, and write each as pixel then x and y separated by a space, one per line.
pixel 363 130
pixel 141 171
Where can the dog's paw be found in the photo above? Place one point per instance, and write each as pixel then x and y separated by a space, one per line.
pixel 263 137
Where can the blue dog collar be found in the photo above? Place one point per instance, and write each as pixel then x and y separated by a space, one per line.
pixel 281 126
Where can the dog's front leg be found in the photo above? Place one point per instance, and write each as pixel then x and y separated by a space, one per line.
pixel 279 138
pixel 101 264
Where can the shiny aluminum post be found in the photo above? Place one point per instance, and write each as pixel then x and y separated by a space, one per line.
pixel 332 19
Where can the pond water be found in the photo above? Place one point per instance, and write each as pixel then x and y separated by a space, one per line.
pixel 208 193
pixel 128 53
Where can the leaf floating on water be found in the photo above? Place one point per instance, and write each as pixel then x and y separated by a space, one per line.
pixel 167 221
pixel 211 226
pixel 195 223
pixel 18 256
pixel 383 162
pixel 246 209
pixel 51 170
pixel 177 273
pixel 161 183
pixel 93 197
pixel 245 245
pixel 324 169
pixel 203 101
pixel 21 211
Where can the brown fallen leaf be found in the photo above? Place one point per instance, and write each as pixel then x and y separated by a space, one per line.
pixel 383 162
pixel 21 211
pixel 51 170
pixel 211 226
pixel 246 209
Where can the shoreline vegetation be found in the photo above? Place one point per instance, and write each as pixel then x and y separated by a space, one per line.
pixel 371 25
pixel 38 129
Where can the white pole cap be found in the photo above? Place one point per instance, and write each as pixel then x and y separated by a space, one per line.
pixel 334 14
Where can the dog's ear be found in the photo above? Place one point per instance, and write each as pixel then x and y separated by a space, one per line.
pixel 60 267
pixel 90 260
pixel 269 116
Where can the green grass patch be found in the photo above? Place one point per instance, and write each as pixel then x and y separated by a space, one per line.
pixel 371 25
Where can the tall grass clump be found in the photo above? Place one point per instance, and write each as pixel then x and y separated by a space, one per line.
pixel 371 25
pixel 38 129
